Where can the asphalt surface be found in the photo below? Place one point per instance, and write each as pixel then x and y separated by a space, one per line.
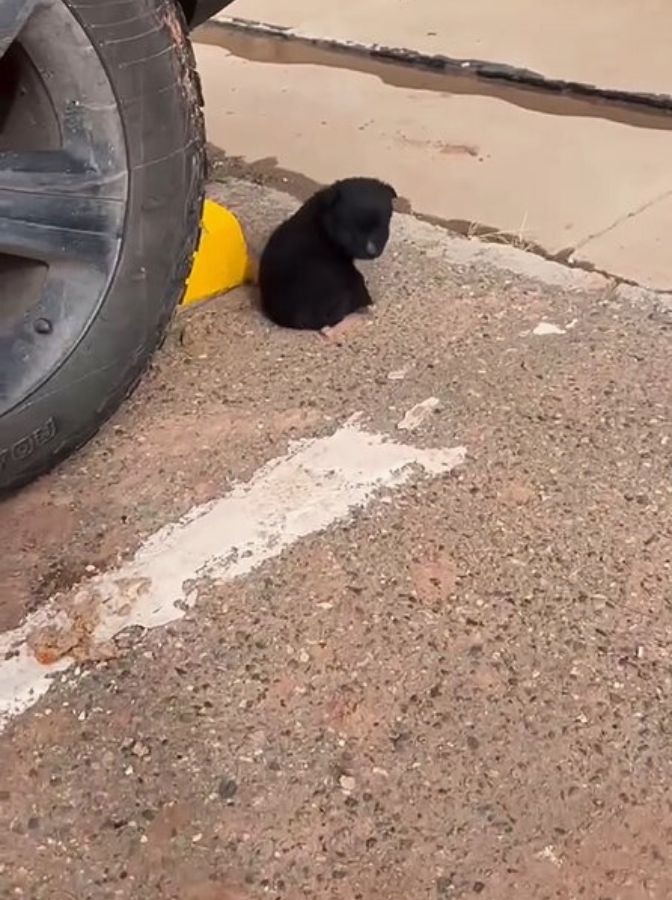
pixel 461 690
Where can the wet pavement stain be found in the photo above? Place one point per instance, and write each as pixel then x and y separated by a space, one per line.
pixel 287 48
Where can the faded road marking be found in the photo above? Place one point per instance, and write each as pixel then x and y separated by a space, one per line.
pixel 317 483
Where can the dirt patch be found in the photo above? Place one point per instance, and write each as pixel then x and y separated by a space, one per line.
pixel 266 172
pixel 72 638
pixel 435 579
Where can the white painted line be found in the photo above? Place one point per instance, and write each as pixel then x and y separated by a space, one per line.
pixel 315 484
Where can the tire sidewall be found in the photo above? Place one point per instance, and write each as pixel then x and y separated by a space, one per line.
pixel 154 81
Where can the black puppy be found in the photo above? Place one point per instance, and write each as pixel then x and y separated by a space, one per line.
pixel 306 275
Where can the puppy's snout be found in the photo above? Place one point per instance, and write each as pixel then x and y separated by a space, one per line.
pixel 371 248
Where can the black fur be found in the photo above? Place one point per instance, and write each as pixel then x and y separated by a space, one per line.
pixel 306 275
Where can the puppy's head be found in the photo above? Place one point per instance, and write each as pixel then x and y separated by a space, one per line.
pixel 356 215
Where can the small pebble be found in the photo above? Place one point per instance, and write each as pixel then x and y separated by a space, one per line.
pixel 227 788
pixel 347 783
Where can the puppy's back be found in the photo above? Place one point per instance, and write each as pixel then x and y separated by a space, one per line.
pixel 305 279
pixel 294 269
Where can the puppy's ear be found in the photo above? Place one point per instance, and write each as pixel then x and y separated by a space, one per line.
pixel 331 195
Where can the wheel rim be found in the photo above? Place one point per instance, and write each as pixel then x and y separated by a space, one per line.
pixel 63 190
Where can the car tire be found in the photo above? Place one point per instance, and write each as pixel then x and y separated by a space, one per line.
pixel 99 216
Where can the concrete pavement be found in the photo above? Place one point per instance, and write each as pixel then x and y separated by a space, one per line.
pixel 608 43
pixel 578 178
pixel 457 687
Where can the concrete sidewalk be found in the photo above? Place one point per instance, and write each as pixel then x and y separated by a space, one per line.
pixel 620 44
pixel 582 179
pixel 304 645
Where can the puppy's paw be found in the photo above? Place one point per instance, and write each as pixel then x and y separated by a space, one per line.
pixel 349 326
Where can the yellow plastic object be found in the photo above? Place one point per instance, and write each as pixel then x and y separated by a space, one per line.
pixel 221 261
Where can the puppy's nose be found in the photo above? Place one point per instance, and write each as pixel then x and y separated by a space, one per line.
pixel 371 248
